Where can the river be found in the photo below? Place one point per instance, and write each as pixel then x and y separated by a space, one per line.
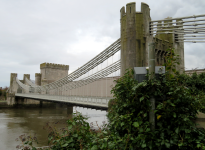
pixel 15 122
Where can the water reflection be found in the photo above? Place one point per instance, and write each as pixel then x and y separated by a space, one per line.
pixel 15 122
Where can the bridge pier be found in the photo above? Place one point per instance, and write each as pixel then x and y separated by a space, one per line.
pixel 70 111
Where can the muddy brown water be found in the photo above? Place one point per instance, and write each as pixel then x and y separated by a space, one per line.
pixel 15 122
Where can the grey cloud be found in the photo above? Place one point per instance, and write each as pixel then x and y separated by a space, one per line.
pixel 33 32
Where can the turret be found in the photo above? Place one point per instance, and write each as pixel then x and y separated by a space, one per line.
pixel 51 72
pixel 38 79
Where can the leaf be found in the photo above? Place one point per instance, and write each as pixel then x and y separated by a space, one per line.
pixel 174 70
pixel 145 115
pixel 167 145
pixel 172 104
pixel 180 144
pixel 136 124
pixel 174 115
pixel 187 131
pixel 69 127
pixel 148 129
pixel 95 147
pixel 185 119
pixel 64 145
pixel 70 140
pixel 141 99
pixel 198 145
pixel 144 145
pixel 177 130
pixel 159 116
pixel 122 124
pixel 75 135
pixel 155 111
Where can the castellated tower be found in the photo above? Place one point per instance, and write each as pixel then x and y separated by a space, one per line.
pixel 51 72
pixel 38 79
pixel 134 36
pixel 24 78
pixel 13 84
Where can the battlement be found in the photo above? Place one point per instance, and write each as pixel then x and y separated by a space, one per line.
pixel 142 3
pixel 14 74
pixel 54 66
pixel 131 3
pixel 27 75
pixel 37 74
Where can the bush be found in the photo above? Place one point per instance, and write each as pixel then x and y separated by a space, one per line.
pixel 176 108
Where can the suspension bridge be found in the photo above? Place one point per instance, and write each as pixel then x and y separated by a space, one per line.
pixel 90 84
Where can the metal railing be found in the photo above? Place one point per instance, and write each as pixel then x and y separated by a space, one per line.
pixel 82 100
pixel 182 27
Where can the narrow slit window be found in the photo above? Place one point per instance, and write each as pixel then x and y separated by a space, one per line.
pixel 130 9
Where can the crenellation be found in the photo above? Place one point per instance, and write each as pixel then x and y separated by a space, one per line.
pixel 54 66
pixel 26 76
pixel 38 79
pixel 144 3
pixel 37 74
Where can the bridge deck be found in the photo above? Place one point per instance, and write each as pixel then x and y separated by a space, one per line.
pixel 93 102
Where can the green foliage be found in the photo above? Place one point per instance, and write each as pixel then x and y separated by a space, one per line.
pixel 79 135
pixel 26 142
pixel 1 92
pixel 171 63
pixel 74 137
pixel 176 108
pixel 196 84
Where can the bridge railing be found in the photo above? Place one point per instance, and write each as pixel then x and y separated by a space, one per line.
pixel 185 29
pixel 80 100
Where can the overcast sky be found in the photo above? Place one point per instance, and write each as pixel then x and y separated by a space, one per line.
pixel 72 32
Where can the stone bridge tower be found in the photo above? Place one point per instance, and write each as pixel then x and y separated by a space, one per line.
pixel 51 72
pixel 136 37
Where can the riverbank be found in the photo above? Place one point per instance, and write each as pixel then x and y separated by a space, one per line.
pixel 3 104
